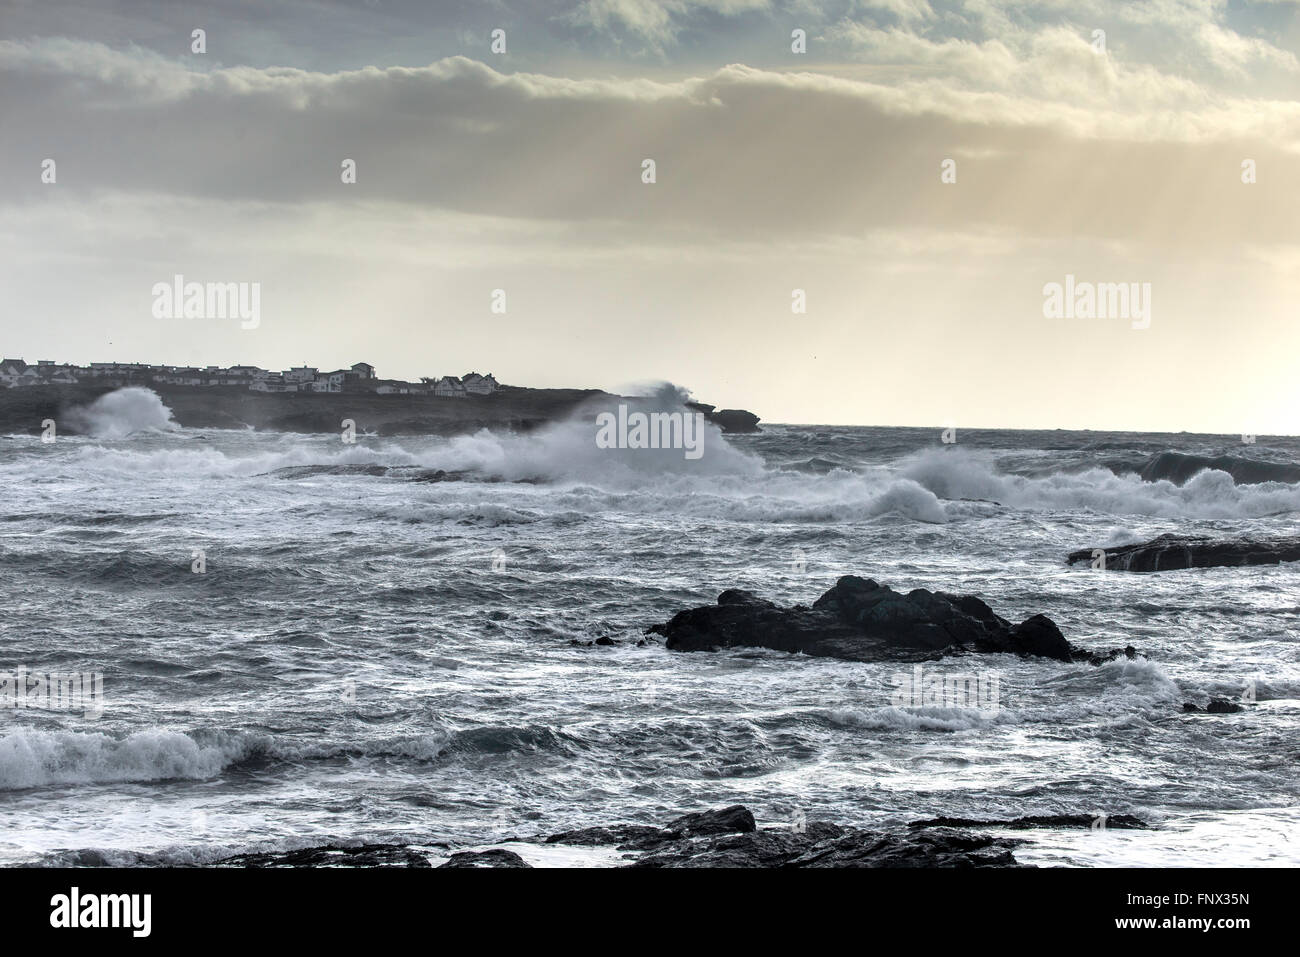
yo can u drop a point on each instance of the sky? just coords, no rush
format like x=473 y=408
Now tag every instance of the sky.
x=917 y=176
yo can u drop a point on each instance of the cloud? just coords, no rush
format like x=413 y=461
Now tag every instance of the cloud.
x=656 y=21
x=741 y=152
x=1233 y=54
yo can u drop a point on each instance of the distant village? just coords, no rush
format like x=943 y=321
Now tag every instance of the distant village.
x=361 y=377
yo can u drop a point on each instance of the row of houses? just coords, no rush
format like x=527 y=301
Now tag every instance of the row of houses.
x=360 y=377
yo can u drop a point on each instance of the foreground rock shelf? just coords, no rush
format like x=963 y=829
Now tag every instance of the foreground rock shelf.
x=860 y=620
x=725 y=837
x=1172 y=552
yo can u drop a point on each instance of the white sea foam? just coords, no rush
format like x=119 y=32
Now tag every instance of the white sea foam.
x=727 y=482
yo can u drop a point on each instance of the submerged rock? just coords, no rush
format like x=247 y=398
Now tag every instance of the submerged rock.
x=860 y=620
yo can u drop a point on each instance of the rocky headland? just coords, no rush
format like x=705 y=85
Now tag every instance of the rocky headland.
x=510 y=408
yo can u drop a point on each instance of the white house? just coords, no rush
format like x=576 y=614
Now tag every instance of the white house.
x=450 y=385
x=332 y=381
x=479 y=384
x=11 y=370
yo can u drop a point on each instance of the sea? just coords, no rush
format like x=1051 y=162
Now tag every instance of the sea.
x=289 y=640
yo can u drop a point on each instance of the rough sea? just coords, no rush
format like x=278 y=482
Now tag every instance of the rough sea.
x=303 y=641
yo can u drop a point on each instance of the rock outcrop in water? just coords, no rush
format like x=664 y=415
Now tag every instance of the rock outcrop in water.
x=1216 y=706
x=860 y=620
x=728 y=420
x=1170 y=552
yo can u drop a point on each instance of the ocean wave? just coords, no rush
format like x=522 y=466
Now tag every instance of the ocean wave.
x=728 y=483
x=32 y=758
x=1179 y=467
x=955 y=474
x=894 y=718
x=36 y=758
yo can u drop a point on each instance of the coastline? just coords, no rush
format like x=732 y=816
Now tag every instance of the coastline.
x=511 y=408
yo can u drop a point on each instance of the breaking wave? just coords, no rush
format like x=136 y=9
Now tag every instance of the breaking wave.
x=729 y=481
x=1209 y=494
x=31 y=758
x=1178 y=467
x=122 y=413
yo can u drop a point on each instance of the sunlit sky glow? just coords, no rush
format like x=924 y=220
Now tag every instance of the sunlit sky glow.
x=775 y=171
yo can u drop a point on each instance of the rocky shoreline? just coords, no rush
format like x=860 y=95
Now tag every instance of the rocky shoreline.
x=724 y=837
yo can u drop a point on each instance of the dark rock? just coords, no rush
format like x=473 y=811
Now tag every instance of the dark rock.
x=724 y=837
x=828 y=845
x=369 y=855
x=938 y=848
x=1216 y=706
x=1170 y=552
x=603 y=641
x=728 y=837
x=625 y=835
x=1222 y=706
x=860 y=620
x=1120 y=821
x=1039 y=636
x=736 y=819
x=496 y=857
x=768 y=848
x=729 y=420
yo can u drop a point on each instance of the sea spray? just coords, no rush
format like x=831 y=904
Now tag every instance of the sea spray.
x=122 y=413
